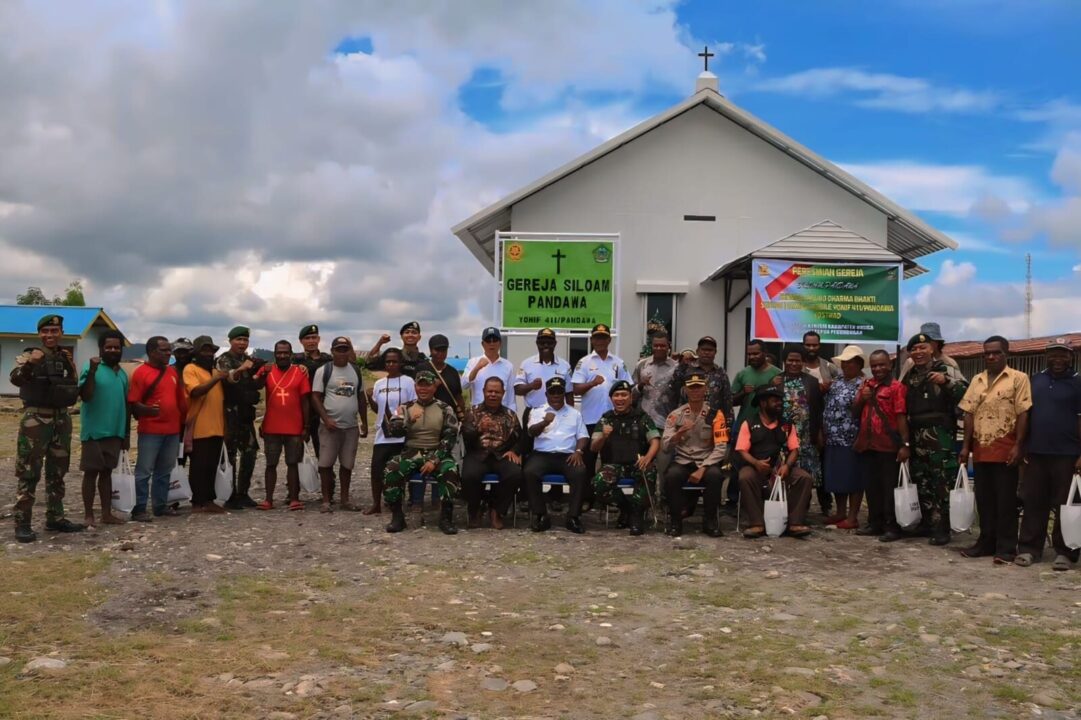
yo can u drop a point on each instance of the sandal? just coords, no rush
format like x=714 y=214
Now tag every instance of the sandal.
x=265 y=505
x=296 y=505
x=753 y=533
x=847 y=525
x=1024 y=559
x=1061 y=563
x=325 y=508
x=798 y=531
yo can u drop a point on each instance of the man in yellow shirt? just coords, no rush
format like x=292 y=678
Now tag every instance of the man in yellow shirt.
x=204 y=431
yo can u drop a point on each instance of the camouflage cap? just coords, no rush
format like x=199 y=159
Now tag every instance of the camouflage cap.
x=424 y=377
x=183 y=343
x=619 y=386
x=204 y=340
x=51 y=321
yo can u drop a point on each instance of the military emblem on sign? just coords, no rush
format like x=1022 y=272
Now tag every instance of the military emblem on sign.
x=602 y=254
x=763 y=271
x=515 y=252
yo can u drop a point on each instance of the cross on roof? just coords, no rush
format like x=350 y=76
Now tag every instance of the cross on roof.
x=706 y=55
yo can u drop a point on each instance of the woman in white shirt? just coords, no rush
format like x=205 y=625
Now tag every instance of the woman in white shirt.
x=384 y=397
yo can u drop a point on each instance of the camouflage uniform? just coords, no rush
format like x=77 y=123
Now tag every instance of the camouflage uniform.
x=630 y=438
x=408 y=463
x=241 y=397
x=932 y=417
x=44 y=432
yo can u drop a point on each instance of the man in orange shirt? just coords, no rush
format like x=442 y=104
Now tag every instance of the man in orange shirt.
x=204 y=431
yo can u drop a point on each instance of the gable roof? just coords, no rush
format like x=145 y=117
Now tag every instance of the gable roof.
x=22 y=320
x=824 y=241
x=963 y=349
x=907 y=235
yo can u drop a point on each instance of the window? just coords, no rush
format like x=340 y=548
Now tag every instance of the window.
x=660 y=312
x=579 y=348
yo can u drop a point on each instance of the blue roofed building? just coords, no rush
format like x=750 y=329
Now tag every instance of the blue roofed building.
x=19 y=330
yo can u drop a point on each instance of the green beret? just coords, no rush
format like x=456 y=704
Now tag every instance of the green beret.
x=50 y=320
x=617 y=386
x=918 y=339
x=239 y=331
x=308 y=330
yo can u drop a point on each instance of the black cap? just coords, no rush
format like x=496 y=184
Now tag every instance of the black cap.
x=768 y=391
x=617 y=386
x=601 y=329
x=546 y=333
x=411 y=325
x=707 y=340
x=695 y=377
x=50 y=321
x=308 y=330
x=341 y=341
x=919 y=339
x=555 y=386
x=438 y=342
x=490 y=333
x=183 y=343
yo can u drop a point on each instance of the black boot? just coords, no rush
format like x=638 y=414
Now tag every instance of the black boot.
x=446 y=518
x=397 y=518
x=711 y=527
x=638 y=524
x=941 y=534
x=624 y=519
x=24 y=534
x=64 y=525
x=541 y=522
x=575 y=525
x=675 y=526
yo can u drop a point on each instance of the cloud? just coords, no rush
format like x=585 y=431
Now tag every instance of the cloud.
x=1057 y=219
x=883 y=91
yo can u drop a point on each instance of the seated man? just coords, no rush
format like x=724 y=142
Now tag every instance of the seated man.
x=698 y=438
x=492 y=435
x=430 y=429
x=770 y=449
x=559 y=440
x=627 y=441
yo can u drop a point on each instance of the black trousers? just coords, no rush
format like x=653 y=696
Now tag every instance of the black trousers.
x=677 y=476
x=880 y=471
x=381 y=453
x=475 y=467
x=540 y=464
x=996 y=503
x=205 y=454
x=1047 y=480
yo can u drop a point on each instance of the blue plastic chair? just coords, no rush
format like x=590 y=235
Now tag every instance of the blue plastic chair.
x=491 y=479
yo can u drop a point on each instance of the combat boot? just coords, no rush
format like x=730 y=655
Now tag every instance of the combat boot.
x=941 y=534
x=675 y=526
x=624 y=520
x=397 y=518
x=638 y=521
x=541 y=522
x=64 y=525
x=711 y=527
x=446 y=518
x=24 y=534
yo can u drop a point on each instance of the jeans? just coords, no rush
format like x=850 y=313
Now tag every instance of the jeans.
x=153 y=465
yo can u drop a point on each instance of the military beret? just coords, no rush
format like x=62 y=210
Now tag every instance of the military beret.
x=411 y=325
x=308 y=330
x=918 y=339
x=618 y=386
x=424 y=376
x=695 y=377
x=239 y=331
x=50 y=320
x=768 y=391
x=555 y=386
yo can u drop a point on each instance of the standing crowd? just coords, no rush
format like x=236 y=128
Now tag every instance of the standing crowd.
x=668 y=433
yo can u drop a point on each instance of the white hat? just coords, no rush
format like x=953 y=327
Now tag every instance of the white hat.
x=850 y=352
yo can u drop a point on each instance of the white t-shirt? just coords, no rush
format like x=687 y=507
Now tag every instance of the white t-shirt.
x=563 y=434
x=595 y=402
x=502 y=368
x=340 y=393
x=532 y=368
x=388 y=394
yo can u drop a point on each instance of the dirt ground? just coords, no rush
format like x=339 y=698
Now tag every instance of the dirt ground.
x=302 y=615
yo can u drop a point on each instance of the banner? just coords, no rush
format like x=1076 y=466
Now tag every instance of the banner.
x=560 y=284
x=842 y=303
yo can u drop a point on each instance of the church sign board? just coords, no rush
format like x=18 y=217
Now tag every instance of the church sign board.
x=843 y=303
x=566 y=282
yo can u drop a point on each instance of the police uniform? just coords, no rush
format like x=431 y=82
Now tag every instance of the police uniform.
x=633 y=432
x=932 y=421
x=312 y=363
x=241 y=397
x=47 y=389
x=430 y=437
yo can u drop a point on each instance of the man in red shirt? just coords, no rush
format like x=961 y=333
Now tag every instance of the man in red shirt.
x=157 y=399
x=285 y=423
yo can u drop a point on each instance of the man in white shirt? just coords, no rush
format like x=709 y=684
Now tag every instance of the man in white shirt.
x=490 y=364
x=536 y=370
x=559 y=441
x=592 y=378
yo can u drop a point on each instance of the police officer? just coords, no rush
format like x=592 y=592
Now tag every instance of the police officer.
x=312 y=359
x=48 y=386
x=627 y=440
x=241 y=396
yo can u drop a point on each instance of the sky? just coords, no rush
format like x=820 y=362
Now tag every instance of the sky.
x=204 y=164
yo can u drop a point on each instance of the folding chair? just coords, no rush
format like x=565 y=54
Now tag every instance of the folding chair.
x=492 y=479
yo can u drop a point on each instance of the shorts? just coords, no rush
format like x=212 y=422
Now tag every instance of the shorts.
x=100 y=455
x=273 y=445
x=338 y=445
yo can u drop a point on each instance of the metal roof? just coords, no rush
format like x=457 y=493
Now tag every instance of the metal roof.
x=907 y=235
x=22 y=320
x=963 y=349
x=824 y=241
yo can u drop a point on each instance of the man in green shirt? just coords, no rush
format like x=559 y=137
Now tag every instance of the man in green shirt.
x=758 y=374
x=103 y=388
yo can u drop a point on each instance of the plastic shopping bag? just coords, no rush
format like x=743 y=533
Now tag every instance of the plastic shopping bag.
x=776 y=509
x=1069 y=515
x=179 y=486
x=962 y=502
x=906 y=501
x=123 y=486
x=223 y=479
x=309 y=471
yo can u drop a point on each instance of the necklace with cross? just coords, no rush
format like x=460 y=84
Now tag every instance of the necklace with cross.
x=706 y=55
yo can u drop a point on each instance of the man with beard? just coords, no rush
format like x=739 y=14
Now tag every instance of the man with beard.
x=312 y=358
x=627 y=441
x=932 y=395
x=817 y=367
x=559 y=439
x=104 y=430
x=718 y=387
x=156 y=397
x=204 y=430
x=241 y=396
x=412 y=357
x=758 y=374
x=48 y=386
x=770 y=449
x=492 y=435
x=430 y=429
x=285 y=423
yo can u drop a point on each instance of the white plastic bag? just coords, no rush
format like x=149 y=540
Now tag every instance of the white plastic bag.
x=962 y=502
x=123 y=486
x=906 y=501
x=1069 y=515
x=179 y=486
x=776 y=509
x=223 y=479
x=309 y=470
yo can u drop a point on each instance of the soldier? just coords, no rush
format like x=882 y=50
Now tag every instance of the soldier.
x=412 y=357
x=312 y=359
x=241 y=396
x=628 y=441
x=48 y=386
x=430 y=429
x=592 y=377
x=932 y=395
